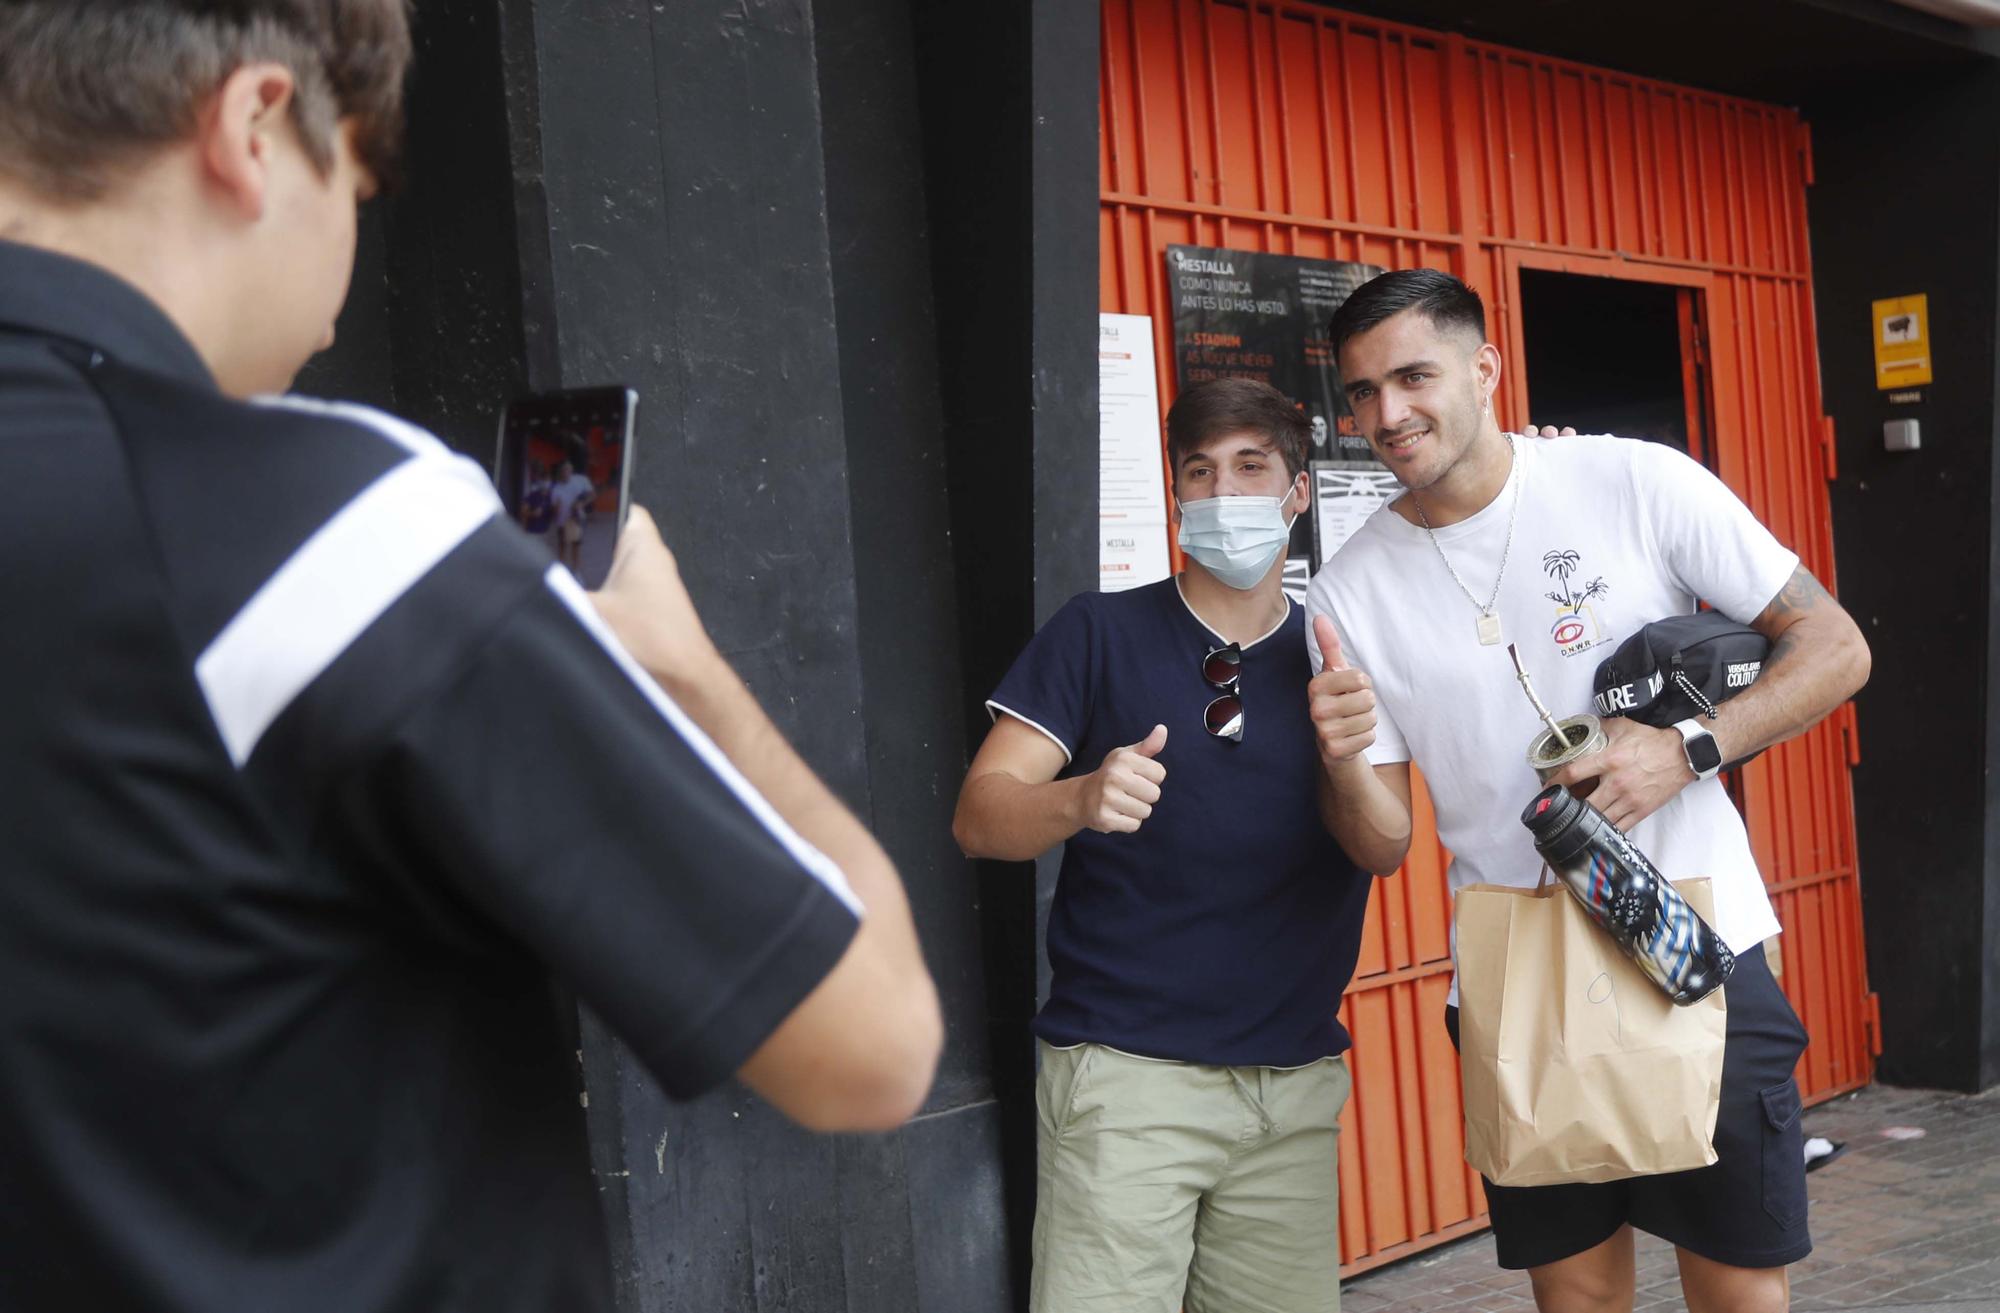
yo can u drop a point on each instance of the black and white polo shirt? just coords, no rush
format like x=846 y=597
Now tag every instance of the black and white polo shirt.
x=313 y=774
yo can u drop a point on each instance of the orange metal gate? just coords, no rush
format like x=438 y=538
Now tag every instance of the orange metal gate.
x=1290 y=128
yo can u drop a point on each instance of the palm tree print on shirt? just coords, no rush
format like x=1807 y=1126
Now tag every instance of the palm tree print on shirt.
x=1559 y=566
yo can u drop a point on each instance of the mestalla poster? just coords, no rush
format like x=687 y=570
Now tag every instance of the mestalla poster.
x=1245 y=314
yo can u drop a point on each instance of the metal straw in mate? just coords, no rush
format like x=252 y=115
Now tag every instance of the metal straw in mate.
x=1528 y=687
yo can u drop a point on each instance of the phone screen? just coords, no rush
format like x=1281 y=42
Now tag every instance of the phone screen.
x=564 y=471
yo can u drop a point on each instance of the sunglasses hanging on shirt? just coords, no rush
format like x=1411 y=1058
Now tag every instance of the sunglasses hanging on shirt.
x=1223 y=669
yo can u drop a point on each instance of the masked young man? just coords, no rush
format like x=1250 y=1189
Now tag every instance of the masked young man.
x=1204 y=923
x=287 y=877
x=1565 y=548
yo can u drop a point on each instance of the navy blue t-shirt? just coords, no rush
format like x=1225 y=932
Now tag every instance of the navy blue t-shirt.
x=1225 y=929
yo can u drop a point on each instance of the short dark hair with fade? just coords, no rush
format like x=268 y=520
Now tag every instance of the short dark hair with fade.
x=90 y=87
x=1444 y=300
x=1218 y=407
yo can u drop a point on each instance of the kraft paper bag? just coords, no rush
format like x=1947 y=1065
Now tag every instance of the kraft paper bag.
x=1576 y=1068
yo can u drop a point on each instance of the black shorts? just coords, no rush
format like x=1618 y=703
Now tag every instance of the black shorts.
x=1747 y=1209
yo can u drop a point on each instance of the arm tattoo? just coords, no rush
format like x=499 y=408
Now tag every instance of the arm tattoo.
x=1787 y=642
x=1801 y=597
x=1800 y=594
x=1817 y=660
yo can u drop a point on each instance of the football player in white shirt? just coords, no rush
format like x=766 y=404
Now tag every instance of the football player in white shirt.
x=1565 y=548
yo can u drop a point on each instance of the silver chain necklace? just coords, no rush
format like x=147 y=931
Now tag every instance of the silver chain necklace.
x=1488 y=625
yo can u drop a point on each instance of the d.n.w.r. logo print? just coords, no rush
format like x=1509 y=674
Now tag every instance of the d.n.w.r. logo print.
x=1575 y=628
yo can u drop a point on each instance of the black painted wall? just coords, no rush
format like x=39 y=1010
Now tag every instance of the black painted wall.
x=1009 y=95
x=776 y=327
x=358 y=366
x=858 y=303
x=1908 y=200
x=972 y=81
x=433 y=326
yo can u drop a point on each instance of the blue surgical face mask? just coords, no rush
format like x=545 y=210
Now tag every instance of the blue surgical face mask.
x=1236 y=538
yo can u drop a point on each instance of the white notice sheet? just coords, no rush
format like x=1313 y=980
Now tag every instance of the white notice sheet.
x=1345 y=493
x=1131 y=488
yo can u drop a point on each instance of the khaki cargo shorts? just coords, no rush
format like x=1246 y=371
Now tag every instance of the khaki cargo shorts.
x=1164 y=1185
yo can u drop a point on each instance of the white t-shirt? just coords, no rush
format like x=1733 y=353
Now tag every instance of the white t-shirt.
x=1612 y=534
x=567 y=494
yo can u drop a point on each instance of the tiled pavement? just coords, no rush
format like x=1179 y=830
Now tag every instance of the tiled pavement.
x=1898 y=1223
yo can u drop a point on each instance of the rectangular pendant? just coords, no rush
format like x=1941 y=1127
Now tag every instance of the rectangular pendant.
x=1489 y=628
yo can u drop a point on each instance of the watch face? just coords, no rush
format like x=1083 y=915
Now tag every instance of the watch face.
x=1703 y=755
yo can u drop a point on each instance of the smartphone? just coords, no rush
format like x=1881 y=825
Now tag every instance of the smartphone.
x=563 y=466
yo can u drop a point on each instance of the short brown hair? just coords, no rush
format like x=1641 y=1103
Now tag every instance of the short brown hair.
x=89 y=86
x=1218 y=407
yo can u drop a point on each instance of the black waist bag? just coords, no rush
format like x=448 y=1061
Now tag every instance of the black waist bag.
x=1680 y=668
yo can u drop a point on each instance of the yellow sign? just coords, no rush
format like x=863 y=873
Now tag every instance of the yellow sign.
x=1902 y=342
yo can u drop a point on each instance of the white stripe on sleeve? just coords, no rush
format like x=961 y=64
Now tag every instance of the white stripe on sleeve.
x=337 y=584
x=812 y=859
x=418 y=441
x=995 y=709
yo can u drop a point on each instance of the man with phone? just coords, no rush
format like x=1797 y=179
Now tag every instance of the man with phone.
x=288 y=877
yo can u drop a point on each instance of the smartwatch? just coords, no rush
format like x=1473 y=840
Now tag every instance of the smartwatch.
x=1704 y=758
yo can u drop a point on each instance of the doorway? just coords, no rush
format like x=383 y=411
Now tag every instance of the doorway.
x=1611 y=355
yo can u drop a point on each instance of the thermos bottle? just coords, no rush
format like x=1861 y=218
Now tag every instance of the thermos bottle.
x=1628 y=897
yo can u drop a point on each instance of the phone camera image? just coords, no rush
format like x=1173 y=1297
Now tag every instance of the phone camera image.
x=563 y=470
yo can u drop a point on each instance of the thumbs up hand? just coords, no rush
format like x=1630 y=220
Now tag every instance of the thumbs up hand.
x=1341 y=701
x=1118 y=796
